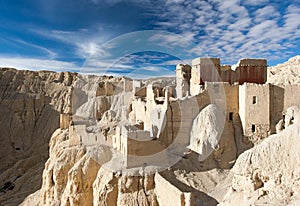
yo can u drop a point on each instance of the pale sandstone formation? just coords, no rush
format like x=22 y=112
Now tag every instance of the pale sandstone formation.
x=30 y=104
x=206 y=131
x=79 y=189
x=82 y=181
x=269 y=172
x=285 y=73
x=112 y=189
x=74 y=176
x=290 y=115
x=117 y=112
x=211 y=137
x=192 y=182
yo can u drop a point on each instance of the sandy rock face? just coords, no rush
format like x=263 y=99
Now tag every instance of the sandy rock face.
x=80 y=175
x=213 y=138
x=30 y=103
x=206 y=131
x=123 y=190
x=269 y=172
x=74 y=176
x=286 y=73
x=55 y=175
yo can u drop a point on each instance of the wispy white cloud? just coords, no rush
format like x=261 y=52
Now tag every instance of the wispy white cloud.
x=256 y=2
x=18 y=43
x=47 y=51
x=85 y=42
x=230 y=29
x=266 y=13
x=292 y=18
x=173 y=40
x=36 y=64
x=233 y=29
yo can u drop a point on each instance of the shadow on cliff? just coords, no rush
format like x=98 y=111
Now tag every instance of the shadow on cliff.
x=200 y=197
x=27 y=123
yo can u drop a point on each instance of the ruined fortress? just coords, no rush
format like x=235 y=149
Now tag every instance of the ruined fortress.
x=157 y=119
x=155 y=113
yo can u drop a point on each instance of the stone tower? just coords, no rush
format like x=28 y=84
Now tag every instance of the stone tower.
x=204 y=70
x=252 y=71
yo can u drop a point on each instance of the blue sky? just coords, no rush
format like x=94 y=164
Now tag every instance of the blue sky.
x=144 y=37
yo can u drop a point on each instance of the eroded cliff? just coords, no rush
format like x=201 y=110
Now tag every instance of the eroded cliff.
x=30 y=104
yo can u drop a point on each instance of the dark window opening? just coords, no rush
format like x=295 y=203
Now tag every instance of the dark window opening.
x=254 y=100
x=18 y=148
x=230 y=116
x=253 y=128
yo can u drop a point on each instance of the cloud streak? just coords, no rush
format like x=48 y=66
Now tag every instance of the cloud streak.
x=36 y=64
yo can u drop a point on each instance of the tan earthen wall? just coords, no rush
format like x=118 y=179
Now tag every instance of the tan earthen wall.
x=254 y=110
x=168 y=194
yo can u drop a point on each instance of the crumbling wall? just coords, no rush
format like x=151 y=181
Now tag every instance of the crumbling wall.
x=227 y=74
x=127 y=84
x=209 y=70
x=79 y=134
x=139 y=111
x=252 y=71
x=138 y=146
x=205 y=69
x=173 y=196
x=105 y=89
x=224 y=94
x=152 y=111
x=276 y=106
x=183 y=77
x=180 y=115
x=116 y=142
x=140 y=92
x=291 y=96
x=138 y=141
x=254 y=110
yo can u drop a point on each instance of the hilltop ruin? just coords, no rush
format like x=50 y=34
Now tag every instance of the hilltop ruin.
x=157 y=121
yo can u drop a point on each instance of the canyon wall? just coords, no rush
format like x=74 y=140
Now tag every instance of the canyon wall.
x=30 y=104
